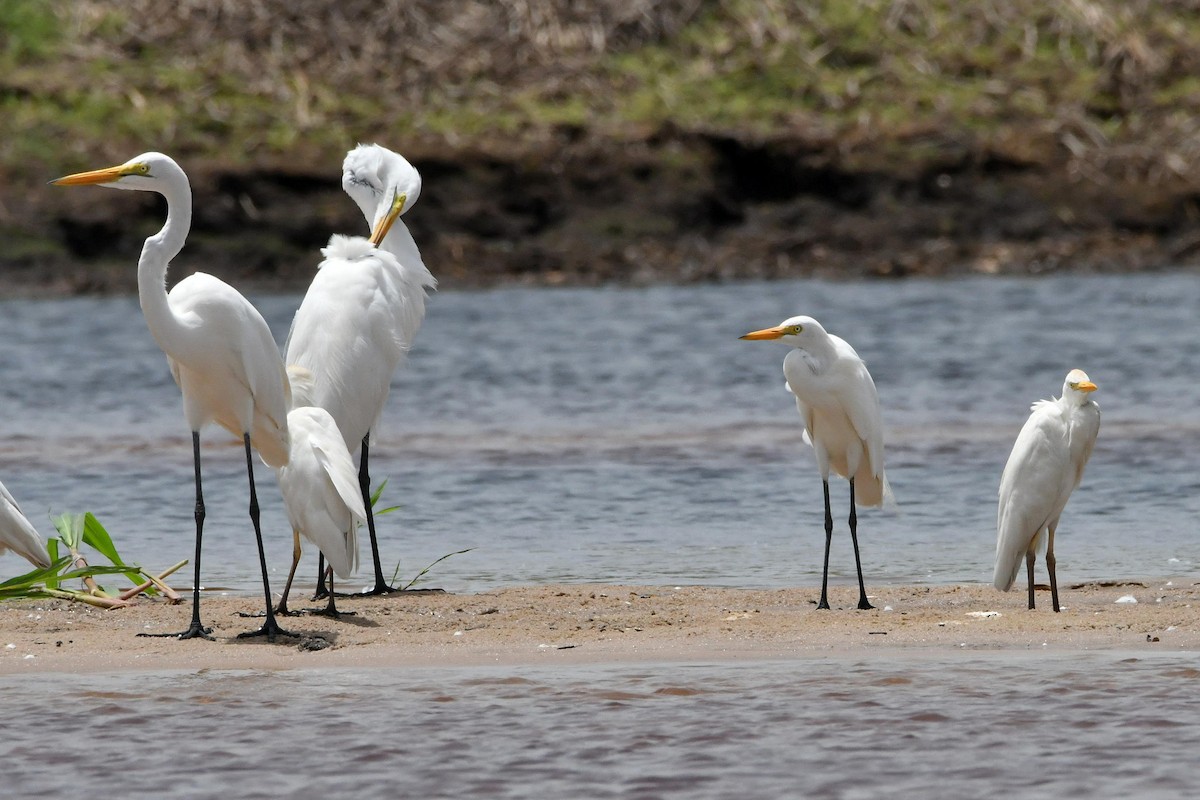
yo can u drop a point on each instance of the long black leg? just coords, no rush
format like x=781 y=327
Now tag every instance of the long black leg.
x=1050 y=562
x=330 y=609
x=828 y=540
x=863 y=603
x=1029 y=574
x=364 y=483
x=321 y=591
x=270 y=628
x=196 y=629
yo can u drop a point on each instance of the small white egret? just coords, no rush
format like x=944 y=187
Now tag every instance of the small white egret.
x=1045 y=466
x=218 y=346
x=360 y=315
x=842 y=421
x=18 y=534
x=320 y=487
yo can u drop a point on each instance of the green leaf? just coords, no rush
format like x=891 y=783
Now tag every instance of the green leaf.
x=376 y=494
x=70 y=529
x=96 y=535
x=422 y=573
x=52 y=549
x=38 y=575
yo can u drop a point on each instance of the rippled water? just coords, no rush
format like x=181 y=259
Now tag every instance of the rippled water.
x=628 y=435
x=1031 y=725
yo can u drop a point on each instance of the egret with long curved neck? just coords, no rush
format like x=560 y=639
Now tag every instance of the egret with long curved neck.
x=219 y=348
x=360 y=316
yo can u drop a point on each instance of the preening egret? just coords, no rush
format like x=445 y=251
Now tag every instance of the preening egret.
x=18 y=534
x=219 y=348
x=842 y=421
x=320 y=487
x=1045 y=466
x=362 y=311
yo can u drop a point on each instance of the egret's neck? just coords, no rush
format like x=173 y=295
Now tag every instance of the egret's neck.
x=157 y=253
x=400 y=243
x=818 y=354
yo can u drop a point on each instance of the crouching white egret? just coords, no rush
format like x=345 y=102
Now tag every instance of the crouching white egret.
x=839 y=406
x=219 y=348
x=18 y=534
x=1045 y=466
x=320 y=487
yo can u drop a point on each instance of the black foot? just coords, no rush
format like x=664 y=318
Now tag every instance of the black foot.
x=282 y=610
x=321 y=593
x=863 y=604
x=194 y=631
x=270 y=630
x=332 y=613
x=824 y=604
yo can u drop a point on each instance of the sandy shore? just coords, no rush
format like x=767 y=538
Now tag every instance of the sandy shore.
x=593 y=623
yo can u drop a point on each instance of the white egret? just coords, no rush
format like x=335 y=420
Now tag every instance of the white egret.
x=18 y=534
x=842 y=421
x=219 y=348
x=319 y=485
x=359 y=317
x=1045 y=466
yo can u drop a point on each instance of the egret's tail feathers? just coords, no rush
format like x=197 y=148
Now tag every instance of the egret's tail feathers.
x=31 y=548
x=346 y=563
x=872 y=490
x=271 y=441
x=345 y=560
x=1010 y=554
x=1006 y=574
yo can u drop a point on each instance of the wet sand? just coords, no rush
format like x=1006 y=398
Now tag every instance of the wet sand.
x=572 y=624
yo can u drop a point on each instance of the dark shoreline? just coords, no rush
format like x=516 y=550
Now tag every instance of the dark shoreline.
x=673 y=207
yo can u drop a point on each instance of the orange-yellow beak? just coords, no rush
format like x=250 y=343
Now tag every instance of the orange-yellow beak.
x=765 y=333
x=106 y=175
x=1086 y=386
x=389 y=219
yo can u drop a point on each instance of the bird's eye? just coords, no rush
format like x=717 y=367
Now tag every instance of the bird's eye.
x=357 y=181
x=143 y=169
x=797 y=328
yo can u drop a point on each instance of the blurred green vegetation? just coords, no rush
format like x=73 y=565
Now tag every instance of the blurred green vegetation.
x=239 y=82
x=722 y=138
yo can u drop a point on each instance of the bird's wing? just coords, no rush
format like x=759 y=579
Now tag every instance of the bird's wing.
x=347 y=334
x=1085 y=426
x=235 y=342
x=319 y=490
x=17 y=533
x=861 y=403
x=1031 y=488
x=331 y=454
x=805 y=415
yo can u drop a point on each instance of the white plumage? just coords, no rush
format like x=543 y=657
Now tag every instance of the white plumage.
x=843 y=423
x=320 y=481
x=18 y=534
x=362 y=311
x=353 y=330
x=1045 y=467
x=219 y=347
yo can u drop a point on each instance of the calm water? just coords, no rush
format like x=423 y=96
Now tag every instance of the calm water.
x=1034 y=725
x=627 y=435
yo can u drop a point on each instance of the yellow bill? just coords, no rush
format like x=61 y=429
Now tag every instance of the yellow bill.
x=766 y=333
x=389 y=219
x=106 y=175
